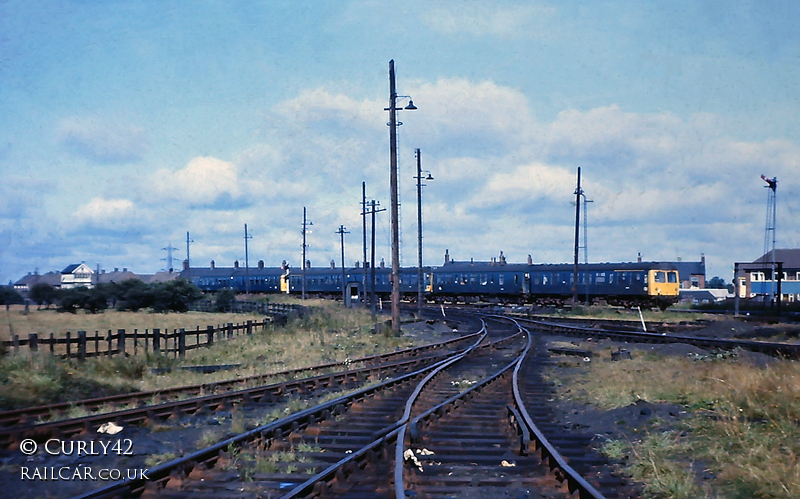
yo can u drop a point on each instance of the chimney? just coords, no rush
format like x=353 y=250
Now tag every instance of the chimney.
x=530 y=260
x=383 y=264
x=116 y=269
x=358 y=265
x=703 y=259
x=308 y=264
x=333 y=263
x=446 y=255
x=212 y=264
x=639 y=258
x=186 y=265
x=284 y=265
x=261 y=264
x=124 y=269
x=236 y=264
x=502 y=259
x=492 y=261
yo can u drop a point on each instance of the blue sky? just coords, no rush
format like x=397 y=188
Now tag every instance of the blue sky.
x=125 y=124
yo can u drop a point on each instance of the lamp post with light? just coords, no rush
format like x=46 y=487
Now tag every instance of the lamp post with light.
x=394 y=196
x=420 y=185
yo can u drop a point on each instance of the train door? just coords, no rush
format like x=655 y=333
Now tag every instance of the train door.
x=285 y=283
x=526 y=284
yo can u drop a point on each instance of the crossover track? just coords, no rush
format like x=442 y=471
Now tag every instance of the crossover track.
x=459 y=426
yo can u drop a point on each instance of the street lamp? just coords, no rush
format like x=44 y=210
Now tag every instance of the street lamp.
x=393 y=187
x=420 y=185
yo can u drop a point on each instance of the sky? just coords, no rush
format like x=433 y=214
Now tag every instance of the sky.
x=126 y=124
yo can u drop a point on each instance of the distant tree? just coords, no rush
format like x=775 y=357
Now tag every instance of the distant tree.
x=72 y=299
x=133 y=294
x=43 y=294
x=9 y=296
x=718 y=283
x=175 y=295
x=224 y=300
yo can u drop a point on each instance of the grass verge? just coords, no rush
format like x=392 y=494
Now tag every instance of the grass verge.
x=329 y=333
x=741 y=439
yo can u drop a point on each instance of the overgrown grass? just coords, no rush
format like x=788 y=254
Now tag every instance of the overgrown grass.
x=49 y=321
x=330 y=333
x=743 y=424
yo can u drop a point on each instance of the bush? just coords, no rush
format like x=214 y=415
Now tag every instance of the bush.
x=224 y=300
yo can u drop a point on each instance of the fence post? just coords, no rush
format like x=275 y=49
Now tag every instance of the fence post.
x=121 y=341
x=249 y=327
x=108 y=343
x=15 y=343
x=33 y=342
x=52 y=344
x=135 y=341
x=156 y=340
x=81 y=346
x=69 y=340
x=230 y=330
x=182 y=343
x=210 y=334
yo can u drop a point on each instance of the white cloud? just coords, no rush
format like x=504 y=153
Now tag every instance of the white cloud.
x=204 y=182
x=100 y=212
x=473 y=118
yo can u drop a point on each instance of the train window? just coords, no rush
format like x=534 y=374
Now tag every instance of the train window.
x=611 y=277
x=491 y=279
x=501 y=279
x=673 y=277
x=472 y=279
x=484 y=280
x=660 y=277
x=544 y=280
x=516 y=278
x=600 y=278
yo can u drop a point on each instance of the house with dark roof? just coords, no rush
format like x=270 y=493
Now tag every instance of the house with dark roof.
x=77 y=275
x=760 y=279
x=25 y=284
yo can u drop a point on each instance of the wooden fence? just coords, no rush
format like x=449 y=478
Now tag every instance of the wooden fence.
x=176 y=343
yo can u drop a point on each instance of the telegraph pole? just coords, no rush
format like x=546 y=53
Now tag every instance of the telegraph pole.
x=246 y=263
x=373 y=302
x=394 y=199
x=364 y=231
x=188 y=261
x=306 y=224
x=420 y=281
x=342 y=232
x=578 y=193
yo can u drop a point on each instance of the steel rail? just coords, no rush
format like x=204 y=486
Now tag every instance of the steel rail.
x=413 y=424
x=273 y=430
x=547 y=451
x=11 y=436
x=395 y=431
x=26 y=414
x=786 y=350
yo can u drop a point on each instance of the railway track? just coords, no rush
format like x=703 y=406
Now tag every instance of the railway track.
x=467 y=409
x=786 y=350
x=155 y=406
x=451 y=421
